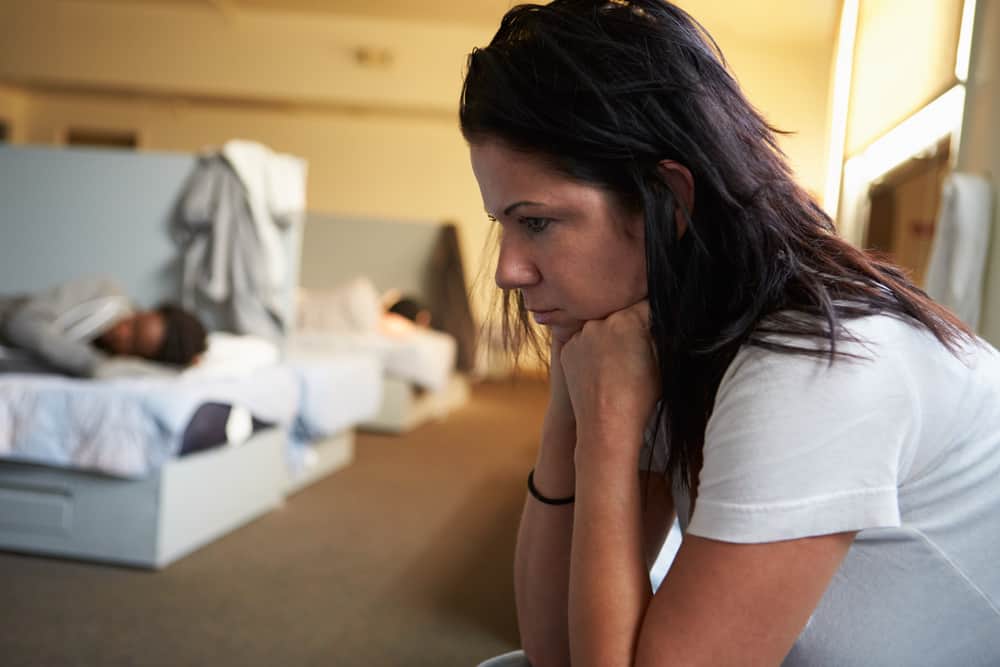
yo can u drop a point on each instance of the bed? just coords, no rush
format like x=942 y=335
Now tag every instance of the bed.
x=426 y=372
x=99 y=469
x=110 y=212
x=318 y=401
x=419 y=382
x=339 y=392
x=148 y=522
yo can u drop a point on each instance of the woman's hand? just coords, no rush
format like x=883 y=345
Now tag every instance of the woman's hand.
x=612 y=378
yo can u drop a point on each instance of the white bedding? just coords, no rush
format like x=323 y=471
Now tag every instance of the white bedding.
x=422 y=356
x=333 y=392
x=129 y=427
x=336 y=393
x=126 y=428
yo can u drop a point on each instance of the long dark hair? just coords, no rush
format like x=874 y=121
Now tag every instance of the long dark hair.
x=605 y=91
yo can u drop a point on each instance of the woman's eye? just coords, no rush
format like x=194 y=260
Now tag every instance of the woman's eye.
x=535 y=225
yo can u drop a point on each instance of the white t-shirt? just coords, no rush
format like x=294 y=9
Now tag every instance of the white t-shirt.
x=903 y=446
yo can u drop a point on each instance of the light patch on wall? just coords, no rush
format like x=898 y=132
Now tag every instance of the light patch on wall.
x=904 y=57
x=840 y=104
x=918 y=133
x=965 y=41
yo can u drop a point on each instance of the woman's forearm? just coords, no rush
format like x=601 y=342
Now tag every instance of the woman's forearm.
x=541 y=563
x=609 y=583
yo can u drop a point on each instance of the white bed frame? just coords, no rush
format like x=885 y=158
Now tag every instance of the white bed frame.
x=404 y=407
x=144 y=523
x=150 y=523
x=329 y=455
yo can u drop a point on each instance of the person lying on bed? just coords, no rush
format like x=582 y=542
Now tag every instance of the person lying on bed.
x=78 y=326
x=403 y=313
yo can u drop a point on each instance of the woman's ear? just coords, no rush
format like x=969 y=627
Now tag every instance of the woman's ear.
x=678 y=178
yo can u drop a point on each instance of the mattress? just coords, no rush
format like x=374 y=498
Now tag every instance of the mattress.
x=404 y=407
x=422 y=356
x=129 y=427
x=337 y=393
x=101 y=426
x=331 y=392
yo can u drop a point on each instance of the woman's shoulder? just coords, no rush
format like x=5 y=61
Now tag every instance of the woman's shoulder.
x=881 y=359
x=872 y=355
x=874 y=337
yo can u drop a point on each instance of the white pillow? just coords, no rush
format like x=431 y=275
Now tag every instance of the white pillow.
x=350 y=308
x=229 y=355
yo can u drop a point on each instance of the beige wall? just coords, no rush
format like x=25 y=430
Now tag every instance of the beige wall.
x=371 y=164
x=13 y=107
x=980 y=148
x=195 y=49
x=787 y=76
x=790 y=84
x=381 y=141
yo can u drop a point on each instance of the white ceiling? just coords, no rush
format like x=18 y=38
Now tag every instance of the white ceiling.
x=793 y=21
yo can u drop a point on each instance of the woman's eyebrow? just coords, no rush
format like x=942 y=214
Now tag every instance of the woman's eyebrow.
x=510 y=209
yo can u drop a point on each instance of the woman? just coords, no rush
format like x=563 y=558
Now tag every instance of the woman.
x=828 y=437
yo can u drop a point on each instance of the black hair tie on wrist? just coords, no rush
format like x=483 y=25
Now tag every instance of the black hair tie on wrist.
x=543 y=499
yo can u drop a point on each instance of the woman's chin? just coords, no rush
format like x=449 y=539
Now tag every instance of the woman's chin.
x=563 y=332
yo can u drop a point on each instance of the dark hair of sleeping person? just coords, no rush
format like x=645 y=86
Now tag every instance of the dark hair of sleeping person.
x=168 y=334
x=604 y=91
x=411 y=309
x=184 y=336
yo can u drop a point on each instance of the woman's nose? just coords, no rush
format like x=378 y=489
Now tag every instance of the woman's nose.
x=515 y=268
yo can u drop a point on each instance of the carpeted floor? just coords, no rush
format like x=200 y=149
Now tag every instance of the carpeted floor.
x=404 y=558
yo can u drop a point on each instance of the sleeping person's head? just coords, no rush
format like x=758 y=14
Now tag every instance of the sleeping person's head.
x=412 y=310
x=169 y=335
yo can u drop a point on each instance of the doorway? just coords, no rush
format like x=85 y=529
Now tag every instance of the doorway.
x=904 y=208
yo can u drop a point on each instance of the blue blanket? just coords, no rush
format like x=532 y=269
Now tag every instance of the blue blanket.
x=127 y=427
